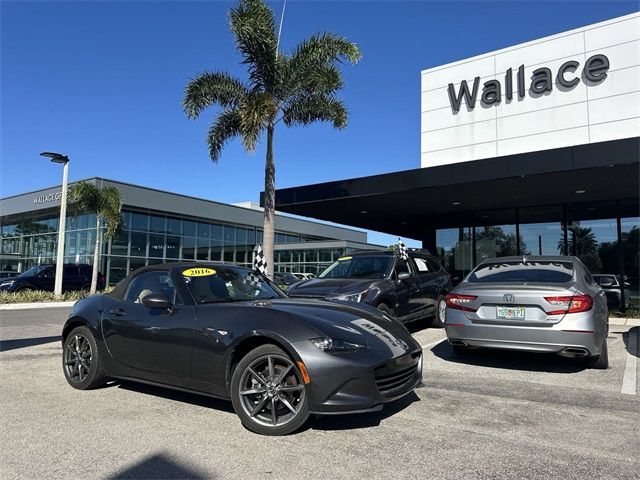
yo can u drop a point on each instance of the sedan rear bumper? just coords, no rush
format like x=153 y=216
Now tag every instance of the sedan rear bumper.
x=565 y=337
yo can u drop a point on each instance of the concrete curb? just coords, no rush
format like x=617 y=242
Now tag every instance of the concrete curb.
x=35 y=305
x=624 y=321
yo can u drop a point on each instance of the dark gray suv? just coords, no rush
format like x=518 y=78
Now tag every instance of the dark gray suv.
x=406 y=289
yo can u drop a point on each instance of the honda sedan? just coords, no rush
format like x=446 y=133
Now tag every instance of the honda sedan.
x=539 y=304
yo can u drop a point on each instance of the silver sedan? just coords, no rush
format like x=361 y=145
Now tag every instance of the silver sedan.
x=540 y=304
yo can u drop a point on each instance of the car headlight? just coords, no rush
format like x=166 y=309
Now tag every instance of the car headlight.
x=352 y=297
x=327 y=344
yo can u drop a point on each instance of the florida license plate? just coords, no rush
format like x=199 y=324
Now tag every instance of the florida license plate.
x=510 y=313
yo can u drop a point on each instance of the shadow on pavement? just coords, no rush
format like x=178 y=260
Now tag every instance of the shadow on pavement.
x=6 y=345
x=361 y=420
x=176 y=395
x=512 y=360
x=159 y=466
x=630 y=338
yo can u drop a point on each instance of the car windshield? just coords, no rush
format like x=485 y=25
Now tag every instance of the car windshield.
x=286 y=277
x=374 y=266
x=228 y=284
x=606 y=280
x=33 y=271
x=523 y=272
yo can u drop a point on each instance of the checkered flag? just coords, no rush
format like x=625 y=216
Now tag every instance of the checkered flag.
x=402 y=250
x=252 y=279
x=259 y=261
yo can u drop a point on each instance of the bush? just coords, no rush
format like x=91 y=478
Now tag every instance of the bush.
x=32 y=296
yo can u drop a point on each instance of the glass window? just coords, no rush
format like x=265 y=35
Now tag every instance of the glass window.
x=136 y=262
x=138 y=244
x=541 y=239
x=188 y=248
x=126 y=220
x=374 y=266
x=82 y=221
x=189 y=228
x=117 y=269
x=631 y=251
x=204 y=230
x=421 y=265
x=595 y=243
x=229 y=235
x=521 y=272
x=454 y=248
x=203 y=249
x=495 y=241
x=151 y=283
x=216 y=251
x=228 y=254
x=241 y=236
x=156 y=245
x=158 y=224
x=120 y=243
x=174 y=225
x=173 y=247
x=401 y=267
x=216 y=232
x=140 y=221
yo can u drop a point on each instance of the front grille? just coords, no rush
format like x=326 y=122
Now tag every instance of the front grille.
x=400 y=372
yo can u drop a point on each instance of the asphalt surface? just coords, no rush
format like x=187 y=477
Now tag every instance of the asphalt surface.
x=487 y=415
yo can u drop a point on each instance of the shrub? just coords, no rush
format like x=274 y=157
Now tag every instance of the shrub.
x=33 y=296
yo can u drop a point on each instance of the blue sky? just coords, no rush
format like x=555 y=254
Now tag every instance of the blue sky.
x=103 y=81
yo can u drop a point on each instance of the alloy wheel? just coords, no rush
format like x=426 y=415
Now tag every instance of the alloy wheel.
x=271 y=391
x=442 y=311
x=77 y=358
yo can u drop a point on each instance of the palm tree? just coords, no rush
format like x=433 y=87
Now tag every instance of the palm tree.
x=106 y=204
x=296 y=88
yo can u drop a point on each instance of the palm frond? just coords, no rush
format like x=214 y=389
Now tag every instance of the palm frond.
x=223 y=129
x=211 y=88
x=85 y=197
x=325 y=48
x=111 y=211
x=256 y=38
x=257 y=110
x=306 y=109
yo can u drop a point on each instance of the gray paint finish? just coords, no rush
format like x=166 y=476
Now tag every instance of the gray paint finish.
x=150 y=199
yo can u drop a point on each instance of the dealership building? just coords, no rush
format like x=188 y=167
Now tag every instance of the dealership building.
x=529 y=150
x=161 y=226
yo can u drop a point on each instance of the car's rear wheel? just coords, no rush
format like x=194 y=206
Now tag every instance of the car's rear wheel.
x=80 y=360
x=441 y=312
x=268 y=393
x=601 y=362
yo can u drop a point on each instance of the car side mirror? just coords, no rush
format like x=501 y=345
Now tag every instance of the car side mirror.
x=606 y=283
x=404 y=276
x=156 y=300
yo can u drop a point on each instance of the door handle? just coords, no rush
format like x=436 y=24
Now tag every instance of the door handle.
x=214 y=332
x=118 y=312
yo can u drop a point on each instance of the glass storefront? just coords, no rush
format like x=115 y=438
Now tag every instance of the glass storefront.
x=145 y=239
x=588 y=231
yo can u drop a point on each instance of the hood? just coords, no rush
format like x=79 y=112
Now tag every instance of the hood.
x=356 y=323
x=330 y=287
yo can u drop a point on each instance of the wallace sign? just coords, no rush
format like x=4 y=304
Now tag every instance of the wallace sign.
x=594 y=72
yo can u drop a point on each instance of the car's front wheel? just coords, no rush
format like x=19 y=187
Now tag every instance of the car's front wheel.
x=81 y=362
x=268 y=393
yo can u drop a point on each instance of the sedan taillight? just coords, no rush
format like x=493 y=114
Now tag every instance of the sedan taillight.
x=574 y=304
x=460 y=302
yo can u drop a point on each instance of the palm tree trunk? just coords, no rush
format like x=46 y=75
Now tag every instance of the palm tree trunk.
x=96 y=259
x=269 y=202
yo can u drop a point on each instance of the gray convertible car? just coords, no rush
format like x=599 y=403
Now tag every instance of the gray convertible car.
x=227 y=332
x=541 y=304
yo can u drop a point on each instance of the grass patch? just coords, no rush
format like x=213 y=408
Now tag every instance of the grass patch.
x=629 y=313
x=37 y=296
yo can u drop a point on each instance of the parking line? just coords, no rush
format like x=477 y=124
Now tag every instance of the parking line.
x=432 y=344
x=629 y=378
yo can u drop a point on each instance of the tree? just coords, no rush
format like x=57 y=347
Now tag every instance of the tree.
x=106 y=204
x=296 y=88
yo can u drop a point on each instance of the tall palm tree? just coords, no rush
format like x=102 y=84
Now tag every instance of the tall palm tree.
x=106 y=204
x=296 y=88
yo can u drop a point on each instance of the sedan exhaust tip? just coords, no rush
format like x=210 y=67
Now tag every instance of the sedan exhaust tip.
x=458 y=343
x=574 y=352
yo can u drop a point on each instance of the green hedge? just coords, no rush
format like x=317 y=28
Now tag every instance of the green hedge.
x=31 y=296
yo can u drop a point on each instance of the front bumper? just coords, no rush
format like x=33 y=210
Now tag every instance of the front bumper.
x=357 y=382
x=579 y=331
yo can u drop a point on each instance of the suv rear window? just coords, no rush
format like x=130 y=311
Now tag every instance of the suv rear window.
x=523 y=272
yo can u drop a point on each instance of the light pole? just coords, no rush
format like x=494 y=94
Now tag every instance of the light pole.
x=64 y=160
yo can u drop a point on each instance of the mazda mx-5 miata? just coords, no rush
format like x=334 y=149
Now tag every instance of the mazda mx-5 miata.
x=225 y=331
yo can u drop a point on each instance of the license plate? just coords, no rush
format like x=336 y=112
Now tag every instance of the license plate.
x=510 y=313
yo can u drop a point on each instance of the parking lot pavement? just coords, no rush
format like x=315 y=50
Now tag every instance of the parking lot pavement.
x=484 y=415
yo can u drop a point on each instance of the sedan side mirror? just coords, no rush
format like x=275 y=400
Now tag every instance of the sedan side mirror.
x=156 y=300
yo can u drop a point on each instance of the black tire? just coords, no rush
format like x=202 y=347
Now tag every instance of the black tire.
x=384 y=308
x=438 y=319
x=81 y=362
x=600 y=362
x=459 y=350
x=270 y=392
